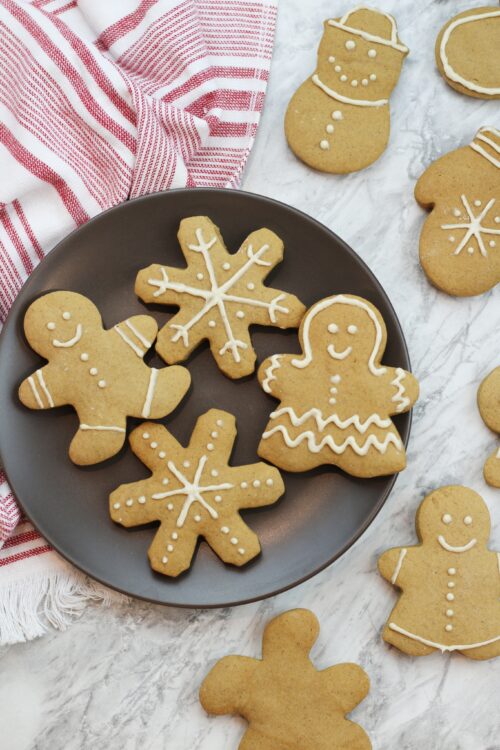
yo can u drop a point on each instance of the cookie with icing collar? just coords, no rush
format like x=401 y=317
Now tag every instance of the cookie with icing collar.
x=100 y=372
x=468 y=52
x=460 y=240
x=336 y=398
x=450 y=582
x=488 y=399
x=338 y=121
x=288 y=702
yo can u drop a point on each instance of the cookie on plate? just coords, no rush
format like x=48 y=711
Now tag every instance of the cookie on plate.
x=450 y=582
x=219 y=295
x=468 y=52
x=488 y=399
x=287 y=702
x=336 y=399
x=193 y=493
x=100 y=373
x=339 y=119
x=460 y=240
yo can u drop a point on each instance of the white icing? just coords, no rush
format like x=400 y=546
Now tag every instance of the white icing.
x=51 y=326
x=116 y=506
x=447 y=518
x=146 y=409
x=269 y=372
x=234 y=540
x=372 y=53
x=452 y=571
x=337 y=115
x=331 y=59
x=352 y=329
x=402 y=401
x=321 y=423
x=84 y=357
x=343 y=77
x=329 y=128
x=324 y=145
x=468 y=520
x=102 y=384
x=495 y=146
x=44 y=388
x=464 y=548
x=241 y=551
x=102 y=427
x=373 y=77
x=66 y=315
x=219 y=423
x=269 y=482
x=140 y=352
x=338 y=355
x=338 y=68
x=93 y=371
x=450 y=72
x=72 y=341
x=345 y=99
x=186 y=464
x=154 y=445
x=350 y=44
x=365 y=82
x=314 y=447
x=442 y=647
x=354 y=82
x=392 y=42
x=399 y=563
x=35 y=392
x=473 y=227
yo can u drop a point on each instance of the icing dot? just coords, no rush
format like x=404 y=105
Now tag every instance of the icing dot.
x=214 y=473
x=199 y=276
x=477 y=203
x=256 y=482
x=354 y=83
x=335 y=378
x=102 y=384
x=224 y=529
x=129 y=502
x=234 y=540
x=211 y=323
x=452 y=571
x=333 y=389
x=350 y=44
x=226 y=266
x=331 y=59
x=141 y=499
x=447 y=518
x=497 y=219
x=250 y=285
x=241 y=551
x=372 y=53
x=343 y=77
x=164 y=560
x=162 y=454
x=492 y=243
x=352 y=329
x=116 y=506
x=329 y=128
x=197 y=518
x=174 y=535
x=93 y=370
x=219 y=423
x=66 y=315
x=84 y=357
x=210 y=446
x=154 y=444
x=337 y=115
x=449 y=613
x=365 y=81
x=451 y=585
x=170 y=547
x=240 y=314
x=373 y=77
x=324 y=145
x=332 y=401
x=244 y=485
x=468 y=520
x=450 y=597
x=269 y=482
x=456 y=212
x=164 y=480
x=448 y=627
x=470 y=250
x=51 y=326
x=338 y=68
x=333 y=328
x=451 y=238
x=186 y=464
x=145 y=435
x=217 y=498
x=170 y=506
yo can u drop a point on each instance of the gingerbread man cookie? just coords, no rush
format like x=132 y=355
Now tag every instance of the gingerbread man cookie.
x=336 y=400
x=287 y=702
x=193 y=492
x=339 y=119
x=468 y=52
x=100 y=373
x=219 y=295
x=460 y=240
x=488 y=399
x=450 y=583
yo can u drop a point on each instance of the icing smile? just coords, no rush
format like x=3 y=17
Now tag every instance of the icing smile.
x=444 y=544
x=338 y=355
x=72 y=341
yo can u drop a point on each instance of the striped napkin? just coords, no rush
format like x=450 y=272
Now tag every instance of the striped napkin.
x=102 y=100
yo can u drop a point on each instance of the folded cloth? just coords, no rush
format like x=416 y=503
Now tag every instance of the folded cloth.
x=99 y=102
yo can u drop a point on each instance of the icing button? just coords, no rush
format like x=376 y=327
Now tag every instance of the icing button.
x=450 y=597
x=324 y=145
x=448 y=627
x=452 y=571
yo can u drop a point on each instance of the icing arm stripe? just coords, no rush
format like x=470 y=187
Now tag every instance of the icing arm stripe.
x=71 y=342
x=146 y=410
x=314 y=447
x=441 y=646
x=370 y=37
x=102 y=427
x=44 y=388
x=35 y=392
x=345 y=99
x=268 y=372
x=397 y=569
x=321 y=423
x=138 y=334
x=398 y=398
x=140 y=353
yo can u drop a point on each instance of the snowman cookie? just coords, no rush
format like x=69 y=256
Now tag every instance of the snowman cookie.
x=339 y=119
x=287 y=701
x=450 y=582
x=219 y=295
x=460 y=240
x=336 y=399
x=488 y=399
x=100 y=373
x=468 y=52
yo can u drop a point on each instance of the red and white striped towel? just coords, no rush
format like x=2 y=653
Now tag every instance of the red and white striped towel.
x=102 y=100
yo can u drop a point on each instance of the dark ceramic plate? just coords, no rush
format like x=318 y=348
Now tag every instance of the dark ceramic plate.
x=322 y=513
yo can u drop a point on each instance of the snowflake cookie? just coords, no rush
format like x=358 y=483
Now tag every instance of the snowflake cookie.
x=219 y=295
x=460 y=240
x=336 y=398
x=450 y=582
x=339 y=119
x=287 y=702
x=100 y=373
x=193 y=492
x=488 y=399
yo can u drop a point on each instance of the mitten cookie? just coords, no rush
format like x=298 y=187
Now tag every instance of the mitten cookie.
x=287 y=702
x=460 y=240
x=220 y=295
x=468 y=52
x=100 y=373
x=488 y=399
x=193 y=492
x=450 y=583
x=339 y=119
x=336 y=399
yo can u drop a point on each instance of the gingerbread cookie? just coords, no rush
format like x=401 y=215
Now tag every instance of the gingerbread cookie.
x=193 y=492
x=488 y=399
x=339 y=119
x=287 y=702
x=468 y=52
x=100 y=373
x=336 y=399
x=219 y=295
x=450 y=583
x=460 y=240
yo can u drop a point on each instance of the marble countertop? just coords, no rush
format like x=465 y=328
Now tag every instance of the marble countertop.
x=127 y=677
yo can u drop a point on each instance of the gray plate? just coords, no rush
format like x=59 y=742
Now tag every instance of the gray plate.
x=322 y=513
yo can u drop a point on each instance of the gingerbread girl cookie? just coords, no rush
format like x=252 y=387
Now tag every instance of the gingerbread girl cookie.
x=460 y=240
x=468 y=52
x=101 y=373
x=339 y=119
x=287 y=702
x=193 y=492
x=219 y=295
x=336 y=398
x=488 y=399
x=450 y=583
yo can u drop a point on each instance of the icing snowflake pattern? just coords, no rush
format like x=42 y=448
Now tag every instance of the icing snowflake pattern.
x=474 y=229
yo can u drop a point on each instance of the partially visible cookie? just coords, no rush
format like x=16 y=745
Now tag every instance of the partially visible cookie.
x=193 y=492
x=488 y=399
x=468 y=52
x=220 y=295
x=287 y=702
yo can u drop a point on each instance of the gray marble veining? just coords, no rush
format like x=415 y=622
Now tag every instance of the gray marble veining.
x=128 y=677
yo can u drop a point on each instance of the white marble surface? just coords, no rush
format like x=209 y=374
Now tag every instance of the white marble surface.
x=128 y=677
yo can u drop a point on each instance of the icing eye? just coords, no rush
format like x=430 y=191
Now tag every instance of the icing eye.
x=468 y=520
x=447 y=518
x=66 y=315
x=333 y=328
x=51 y=326
x=352 y=329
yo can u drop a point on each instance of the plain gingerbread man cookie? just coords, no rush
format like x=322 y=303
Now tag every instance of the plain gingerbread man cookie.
x=336 y=399
x=488 y=399
x=100 y=373
x=460 y=240
x=339 y=119
x=450 y=582
x=287 y=702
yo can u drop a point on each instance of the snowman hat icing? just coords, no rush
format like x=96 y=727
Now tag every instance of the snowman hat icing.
x=391 y=41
